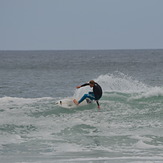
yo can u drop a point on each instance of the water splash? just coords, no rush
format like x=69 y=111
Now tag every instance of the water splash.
x=119 y=82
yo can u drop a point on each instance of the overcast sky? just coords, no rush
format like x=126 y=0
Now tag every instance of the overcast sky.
x=81 y=24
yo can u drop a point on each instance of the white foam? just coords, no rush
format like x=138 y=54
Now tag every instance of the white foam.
x=153 y=92
x=21 y=101
x=120 y=82
x=142 y=145
x=147 y=139
x=133 y=159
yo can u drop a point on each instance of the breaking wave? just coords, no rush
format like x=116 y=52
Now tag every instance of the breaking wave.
x=130 y=118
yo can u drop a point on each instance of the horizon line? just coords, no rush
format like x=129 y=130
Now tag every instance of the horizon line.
x=81 y=49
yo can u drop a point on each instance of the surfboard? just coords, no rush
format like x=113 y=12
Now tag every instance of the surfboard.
x=68 y=103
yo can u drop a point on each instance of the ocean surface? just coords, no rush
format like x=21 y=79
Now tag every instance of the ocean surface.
x=127 y=129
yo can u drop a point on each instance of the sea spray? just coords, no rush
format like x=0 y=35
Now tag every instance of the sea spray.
x=119 y=82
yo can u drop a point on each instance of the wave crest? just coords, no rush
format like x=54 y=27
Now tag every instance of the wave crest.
x=120 y=82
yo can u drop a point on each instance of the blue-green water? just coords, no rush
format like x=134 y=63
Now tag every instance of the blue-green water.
x=128 y=129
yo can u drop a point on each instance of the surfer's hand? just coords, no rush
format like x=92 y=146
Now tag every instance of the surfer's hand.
x=99 y=107
x=78 y=86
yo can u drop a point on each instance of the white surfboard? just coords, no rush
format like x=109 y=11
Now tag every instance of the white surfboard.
x=68 y=103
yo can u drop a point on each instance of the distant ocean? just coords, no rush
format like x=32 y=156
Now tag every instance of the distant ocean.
x=128 y=129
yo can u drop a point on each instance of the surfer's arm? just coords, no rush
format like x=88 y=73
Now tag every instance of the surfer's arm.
x=82 y=85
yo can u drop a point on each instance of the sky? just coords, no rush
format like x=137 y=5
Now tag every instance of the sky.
x=81 y=24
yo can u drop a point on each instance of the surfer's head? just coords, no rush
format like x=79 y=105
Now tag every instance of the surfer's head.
x=92 y=83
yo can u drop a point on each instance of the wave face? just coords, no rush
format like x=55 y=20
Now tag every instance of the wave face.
x=129 y=127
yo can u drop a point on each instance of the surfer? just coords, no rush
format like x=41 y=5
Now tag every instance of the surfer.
x=95 y=95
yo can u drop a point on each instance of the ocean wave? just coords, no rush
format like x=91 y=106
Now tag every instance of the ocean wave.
x=119 y=82
x=38 y=122
x=117 y=87
x=154 y=92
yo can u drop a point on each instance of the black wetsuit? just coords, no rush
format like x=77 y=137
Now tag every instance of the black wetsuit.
x=97 y=90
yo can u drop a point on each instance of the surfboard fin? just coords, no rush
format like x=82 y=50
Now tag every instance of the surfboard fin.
x=88 y=101
x=60 y=102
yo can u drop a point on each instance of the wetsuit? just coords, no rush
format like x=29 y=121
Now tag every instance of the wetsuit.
x=95 y=95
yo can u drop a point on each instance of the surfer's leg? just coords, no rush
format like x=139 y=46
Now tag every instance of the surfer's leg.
x=91 y=94
x=83 y=98
x=91 y=97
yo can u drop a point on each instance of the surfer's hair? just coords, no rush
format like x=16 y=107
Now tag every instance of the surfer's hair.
x=92 y=82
